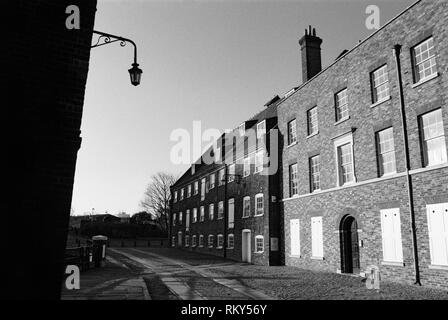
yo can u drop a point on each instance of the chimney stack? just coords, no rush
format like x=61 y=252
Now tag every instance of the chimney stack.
x=311 y=59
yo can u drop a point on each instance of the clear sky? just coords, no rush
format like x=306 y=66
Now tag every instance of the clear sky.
x=214 y=61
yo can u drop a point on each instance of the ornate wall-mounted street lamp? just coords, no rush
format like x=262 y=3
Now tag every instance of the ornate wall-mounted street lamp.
x=105 y=38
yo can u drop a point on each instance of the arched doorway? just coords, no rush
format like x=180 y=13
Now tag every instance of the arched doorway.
x=349 y=245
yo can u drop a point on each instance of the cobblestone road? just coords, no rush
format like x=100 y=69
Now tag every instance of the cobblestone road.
x=171 y=274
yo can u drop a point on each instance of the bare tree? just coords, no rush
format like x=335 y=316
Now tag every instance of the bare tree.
x=156 y=199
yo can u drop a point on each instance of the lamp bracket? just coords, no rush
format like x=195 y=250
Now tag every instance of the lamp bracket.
x=107 y=38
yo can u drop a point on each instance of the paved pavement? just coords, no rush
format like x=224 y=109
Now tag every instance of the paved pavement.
x=172 y=274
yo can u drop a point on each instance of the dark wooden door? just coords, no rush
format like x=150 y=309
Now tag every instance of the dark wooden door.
x=349 y=246
x=354 y=246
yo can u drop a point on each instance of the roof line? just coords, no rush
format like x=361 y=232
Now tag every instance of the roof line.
x=352 y=49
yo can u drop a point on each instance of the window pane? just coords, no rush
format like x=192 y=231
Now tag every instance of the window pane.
x=315 y=173
x=434 y=138
x=424 y=60
x=293 y=182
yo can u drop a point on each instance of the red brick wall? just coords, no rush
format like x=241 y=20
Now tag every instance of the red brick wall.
x=352 y=71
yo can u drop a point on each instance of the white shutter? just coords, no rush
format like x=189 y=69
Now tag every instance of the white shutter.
x=438 y=233
x=187 y=220
x=391 y=235
x=295 y=237
x=317 y=246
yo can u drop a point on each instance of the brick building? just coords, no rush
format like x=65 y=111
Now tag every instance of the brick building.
x=365 y=172
x=229 y=206
x=44 y=83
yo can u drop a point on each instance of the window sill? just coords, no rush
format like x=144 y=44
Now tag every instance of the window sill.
x=388 y=174
x=258 y=215
x=291 y=144
x=229 y=248
x=219 y=248
x=380 y=102
x=342 y=120
x=392 y=263
x=245 y=217
x=259 y=252
x=312 y=135
x=422 y=81
x=438 y=267
x=317 y=258
x=295 y=256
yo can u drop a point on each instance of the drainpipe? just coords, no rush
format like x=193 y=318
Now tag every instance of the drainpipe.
x=225 y=213
x=397 y=50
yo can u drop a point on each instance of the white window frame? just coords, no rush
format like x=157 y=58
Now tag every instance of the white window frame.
x=257 y=238
x=424 y=140
x=294 y=237
x=195 y=215
x=231 y=213
x=259 y=162
x=221 y=175
x=312 y=121
x=246 y=200
x=340 y=109
x=203 y=189
x=317 y=238
x=230 y=243
x=180 y=218
x=292 y=131
x=219 y=241
x=258 y=196
x=201 y=214
x=181 y=194
x=246 y=167
x=175 y=196
x=210 y=240
x=437 y=215
x=174 y=219
x=314 y=173
x=201 y=241
x=187 y=220
x=391 y=235
x=211 y=211
x=339 y=142
x=187 y=240
x=375 y=84
x=196 y=187
x=189 y=191
x=212 y=180
x=293 y=185
x=220 y=210
x=231 y=173
x=430 y=58
x=381 y=152
x=194 y=241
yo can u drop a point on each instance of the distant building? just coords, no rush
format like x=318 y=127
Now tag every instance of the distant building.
x=229 y=208
x=124 y=217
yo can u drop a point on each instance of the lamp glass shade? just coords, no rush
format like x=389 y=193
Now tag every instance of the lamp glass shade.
x=136 y=74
